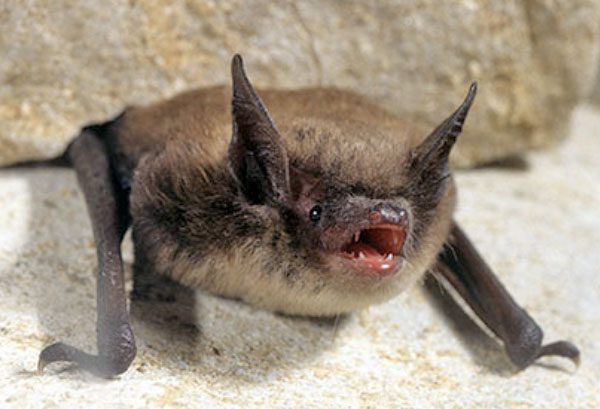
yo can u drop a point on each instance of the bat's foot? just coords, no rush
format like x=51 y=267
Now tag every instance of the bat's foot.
x=117 y=353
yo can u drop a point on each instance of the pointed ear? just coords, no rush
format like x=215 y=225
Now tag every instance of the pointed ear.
x=430 y=159
x=256 y=153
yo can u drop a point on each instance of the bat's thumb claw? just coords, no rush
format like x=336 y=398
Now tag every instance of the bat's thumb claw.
x=562 y=348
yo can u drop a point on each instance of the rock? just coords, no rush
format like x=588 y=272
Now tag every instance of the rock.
x=595 y=96
x=66 y=63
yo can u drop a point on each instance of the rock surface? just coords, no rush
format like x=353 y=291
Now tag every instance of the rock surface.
x=65 y=63
x=595 y=96
x=539 y=229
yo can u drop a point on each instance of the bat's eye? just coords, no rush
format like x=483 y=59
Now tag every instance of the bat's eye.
x=315 y=213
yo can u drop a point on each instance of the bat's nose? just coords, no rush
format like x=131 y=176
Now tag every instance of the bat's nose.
x=387 y=213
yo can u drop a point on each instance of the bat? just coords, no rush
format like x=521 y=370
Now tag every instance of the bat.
x=310 y=202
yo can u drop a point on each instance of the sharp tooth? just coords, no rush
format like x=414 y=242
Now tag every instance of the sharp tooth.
x=356 y=236
x=361 y=255
x=389 y=257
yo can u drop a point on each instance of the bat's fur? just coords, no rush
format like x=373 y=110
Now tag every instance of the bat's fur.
x=191 y=222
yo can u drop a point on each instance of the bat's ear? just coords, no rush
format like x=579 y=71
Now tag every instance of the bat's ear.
x=256 y=153
x=433 y=153
x=430 y=159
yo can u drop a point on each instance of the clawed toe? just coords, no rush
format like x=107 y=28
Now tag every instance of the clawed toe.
x=561 y=348
x=60 y=352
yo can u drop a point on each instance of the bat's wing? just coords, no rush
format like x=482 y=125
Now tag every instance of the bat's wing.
x=108 y=209
x=460 y=264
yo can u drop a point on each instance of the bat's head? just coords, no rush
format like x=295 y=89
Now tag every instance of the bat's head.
x=347 y=233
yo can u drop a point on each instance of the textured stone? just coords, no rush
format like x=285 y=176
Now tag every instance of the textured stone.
x=66 y=62
x=539 y=228
x=595 y=96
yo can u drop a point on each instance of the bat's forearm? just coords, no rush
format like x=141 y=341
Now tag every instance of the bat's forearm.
x=461 y=265
x=107 y=207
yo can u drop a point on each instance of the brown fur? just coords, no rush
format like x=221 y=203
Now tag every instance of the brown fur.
x=189 y=221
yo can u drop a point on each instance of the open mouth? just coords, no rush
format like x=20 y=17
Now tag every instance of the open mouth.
x=376 y=248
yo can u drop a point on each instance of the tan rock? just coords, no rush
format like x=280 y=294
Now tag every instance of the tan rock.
x=65 y=62
x=595 y=96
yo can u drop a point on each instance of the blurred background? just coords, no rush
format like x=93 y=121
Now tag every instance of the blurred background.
x=65 y=63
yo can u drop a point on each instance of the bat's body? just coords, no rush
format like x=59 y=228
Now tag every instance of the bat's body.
x=338 y=206
x=191 y=223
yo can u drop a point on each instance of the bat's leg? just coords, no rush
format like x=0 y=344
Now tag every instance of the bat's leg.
x=461 y=265
x=108 y=210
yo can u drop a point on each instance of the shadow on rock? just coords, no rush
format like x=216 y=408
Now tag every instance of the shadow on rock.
x=517 y=163
x=484 y=349
x=200 y=333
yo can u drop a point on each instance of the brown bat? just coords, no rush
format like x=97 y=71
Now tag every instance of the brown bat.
x=321 y=205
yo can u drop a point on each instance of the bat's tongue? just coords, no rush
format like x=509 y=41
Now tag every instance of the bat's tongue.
x=363 y=251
